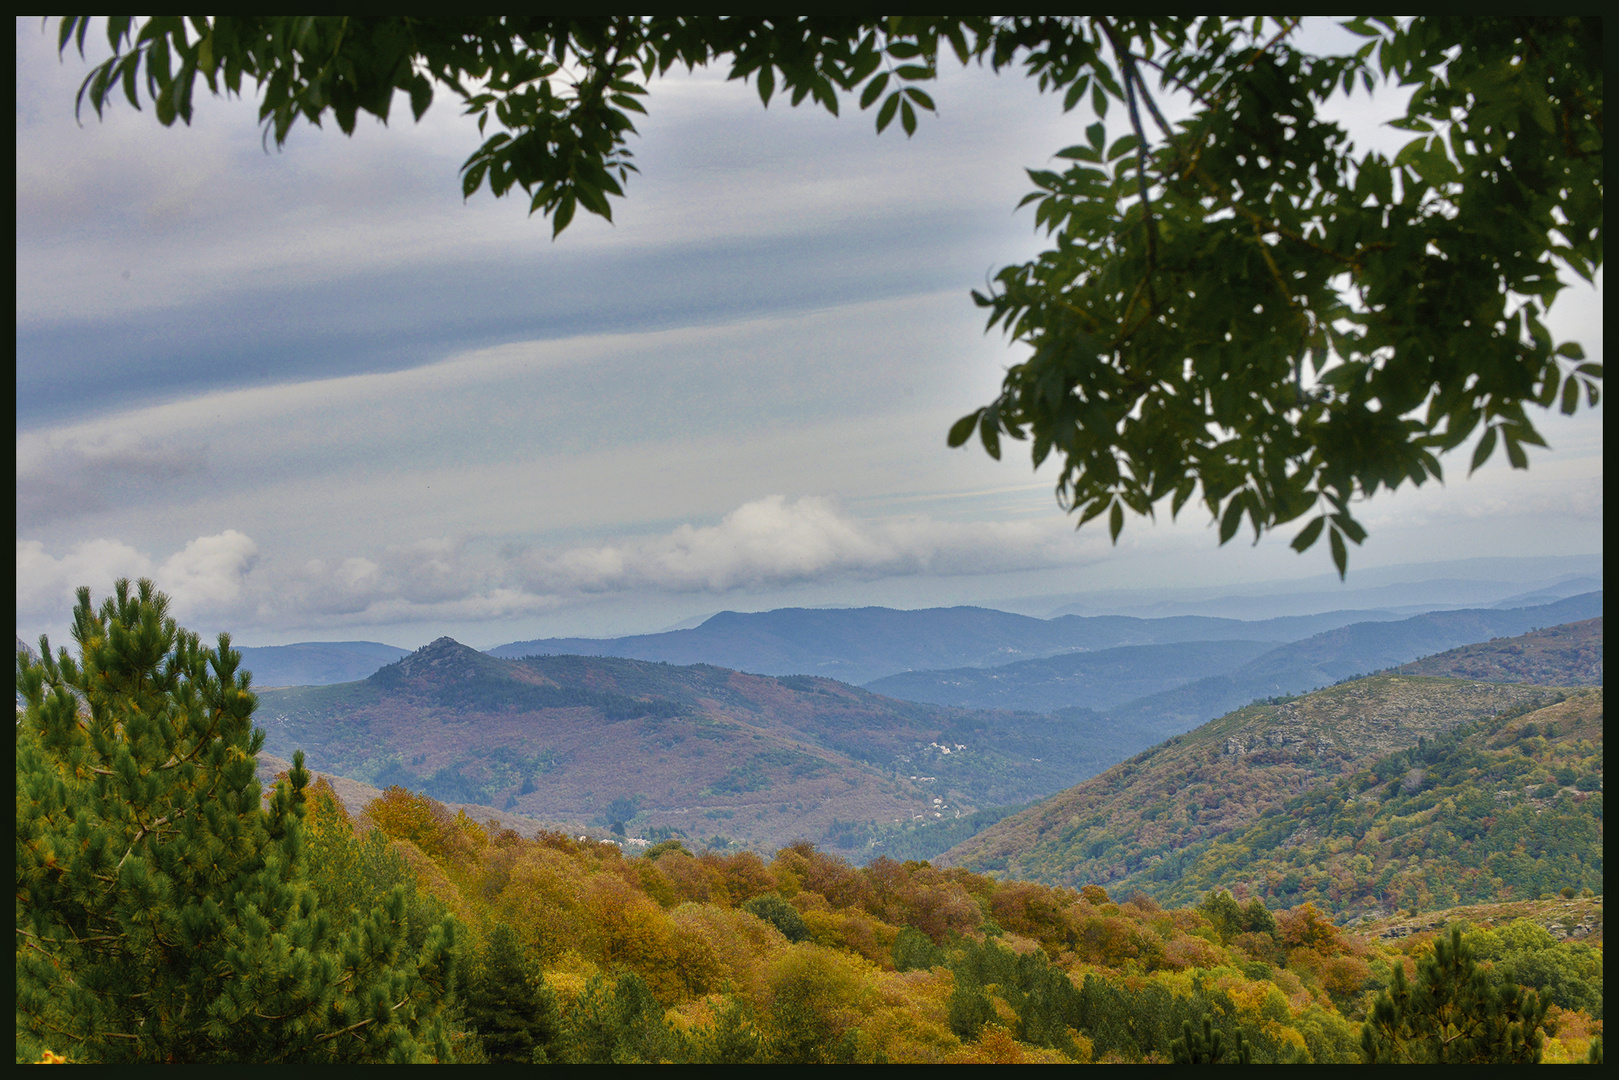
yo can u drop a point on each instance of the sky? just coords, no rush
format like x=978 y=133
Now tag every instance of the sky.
x=316 y=395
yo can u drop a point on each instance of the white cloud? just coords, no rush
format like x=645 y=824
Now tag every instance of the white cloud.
x=210 y=572
x=209 y=578
x=46 y=585
x=768 y=543
x=774 y=541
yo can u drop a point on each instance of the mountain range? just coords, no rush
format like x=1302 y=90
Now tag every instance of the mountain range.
x=763 y=759
x=1335 y=655
x=857 y=645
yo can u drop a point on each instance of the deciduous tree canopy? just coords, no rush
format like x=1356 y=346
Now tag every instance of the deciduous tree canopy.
x=1238 y=306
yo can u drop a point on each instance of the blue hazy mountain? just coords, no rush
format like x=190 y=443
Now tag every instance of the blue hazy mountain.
x=857 y=645
x=317 y=663
x=1095 y=680
x=1330 y=657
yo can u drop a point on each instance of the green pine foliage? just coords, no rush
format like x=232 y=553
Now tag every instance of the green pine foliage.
x=618 y=1023
x=1207 y=1047
x=516 y=1020
x=915 y=951
x=1456 y=1013
x=780 y=914
x=732 y=1039
x=164 y=912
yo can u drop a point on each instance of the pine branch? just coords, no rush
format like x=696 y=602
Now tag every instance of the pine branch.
x=356 y=1027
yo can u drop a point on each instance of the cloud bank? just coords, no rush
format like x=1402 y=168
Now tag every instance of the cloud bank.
x=770 y=542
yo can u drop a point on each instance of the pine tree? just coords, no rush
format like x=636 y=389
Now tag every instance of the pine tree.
x=732 y=1039
x=1223 y=914
x=1455 y=1013
x=969 y=1007
x=778 y=913
x=163 y=910
x=618 y=1024
x=1207 y=1047
x=513 y=1017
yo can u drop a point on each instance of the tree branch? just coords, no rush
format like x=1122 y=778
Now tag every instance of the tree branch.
x=356 y=1027
x=1131 y=77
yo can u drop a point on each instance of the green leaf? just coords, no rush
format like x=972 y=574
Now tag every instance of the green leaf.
x=907 y=118
x=1309 y=534
x=962 y=429
x=1340 y=554
x=1571 y=395
x=917 y=95
x=1572 y=350
x=1515 y=453
x=767 y=84
x=1096 y=134
x=873 y=90
x=1122 y=146
x=1486 y=446
x=885 y=115
x=1182 y=493
x=1115 y=521
x=1075 y=92
x=562 y=215
x=1232 y=518
x=989 y=432
x=1349 y=527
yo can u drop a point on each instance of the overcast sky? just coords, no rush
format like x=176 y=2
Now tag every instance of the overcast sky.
x=317 y=396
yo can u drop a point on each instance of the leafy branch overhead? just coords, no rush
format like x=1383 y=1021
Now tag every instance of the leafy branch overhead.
x=1238 y=305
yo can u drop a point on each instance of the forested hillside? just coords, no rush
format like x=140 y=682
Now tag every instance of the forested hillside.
x=1225 y=774
x=1567 y=655
x=169 y=912
x=1507 y=808
x=1398 y=791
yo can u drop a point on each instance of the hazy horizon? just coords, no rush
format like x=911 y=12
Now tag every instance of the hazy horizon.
x=1256 y=601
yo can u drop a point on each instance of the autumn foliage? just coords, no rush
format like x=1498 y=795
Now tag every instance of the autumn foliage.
x=713 y=958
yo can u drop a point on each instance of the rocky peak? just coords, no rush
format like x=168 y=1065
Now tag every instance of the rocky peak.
x=445 y=658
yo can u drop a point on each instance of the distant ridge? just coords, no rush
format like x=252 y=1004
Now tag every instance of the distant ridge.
x=857 y=645
x=316 y=663
x=1100 y=679
x=1329 y=657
